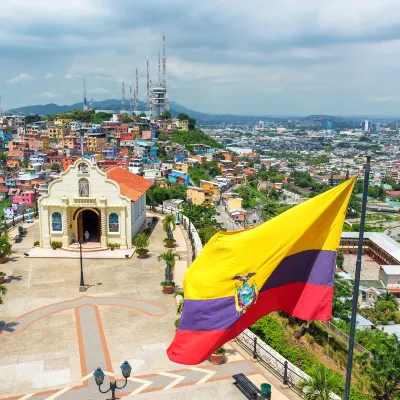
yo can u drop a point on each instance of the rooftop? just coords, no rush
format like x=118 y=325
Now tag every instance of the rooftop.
x=391 y=269
x=131 y=185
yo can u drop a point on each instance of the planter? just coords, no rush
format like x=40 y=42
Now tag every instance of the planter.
x=216 y=359
x=54 y=248
x=112 y=248
x=167 y=289
x=2 y=261
x=170 y=246
x=143 y=255
x=2 y=279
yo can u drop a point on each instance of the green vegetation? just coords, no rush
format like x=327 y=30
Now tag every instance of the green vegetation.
x=82 y=116
x=320 y=386
x=56 y=167
x=156 y=195
x=203 y=218
x=5 y=246
x=196 y=136
x=384 y=310
x=25 y=162
x=4 y=203
x=205 y=171
x=319 y=160
x=141 y=242
x=304 y=180
x=165 y=115
x=274 y=331
x=30 y=119
x=3 y=290
x=368 y=228
x=342 y=295
x=272 y=175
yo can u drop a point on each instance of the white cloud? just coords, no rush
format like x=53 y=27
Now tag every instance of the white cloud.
x=68 y=76
x=19 y=79
x=49 y=95
x=49 y=75
x=98 y=91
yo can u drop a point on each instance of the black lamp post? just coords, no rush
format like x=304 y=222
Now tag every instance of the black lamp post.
x=190 y=207
x=82 y=287
x=36 y=204
x=99 y=378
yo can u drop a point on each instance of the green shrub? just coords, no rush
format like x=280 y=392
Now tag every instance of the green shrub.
x=177 y=322
x=55 y=244
x=36 y=243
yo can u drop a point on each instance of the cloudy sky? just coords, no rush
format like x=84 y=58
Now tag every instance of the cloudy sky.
x=271 y=57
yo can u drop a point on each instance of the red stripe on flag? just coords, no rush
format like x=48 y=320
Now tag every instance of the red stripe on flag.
x=302 y=300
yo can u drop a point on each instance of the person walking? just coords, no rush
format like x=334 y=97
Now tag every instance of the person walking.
x=87 y=235
x=73 y=237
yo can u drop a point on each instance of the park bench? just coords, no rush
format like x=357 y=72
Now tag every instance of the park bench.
x=18 y=238
x=247 y=387
x=22 y=231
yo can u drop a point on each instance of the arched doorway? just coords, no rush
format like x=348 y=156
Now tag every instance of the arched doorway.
x=88 y=220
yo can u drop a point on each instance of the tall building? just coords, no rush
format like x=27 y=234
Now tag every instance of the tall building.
x=366 y=126
x=377 y=127
x=159 y=100
x=394 y=126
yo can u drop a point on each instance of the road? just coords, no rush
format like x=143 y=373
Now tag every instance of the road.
x=223 y=218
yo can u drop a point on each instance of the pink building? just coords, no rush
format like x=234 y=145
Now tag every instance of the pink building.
x=27 y=197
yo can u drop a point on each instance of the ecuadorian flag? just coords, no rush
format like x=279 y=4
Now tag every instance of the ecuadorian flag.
x=287 y=263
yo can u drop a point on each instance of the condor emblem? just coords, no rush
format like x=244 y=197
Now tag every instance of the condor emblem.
x=246 y=292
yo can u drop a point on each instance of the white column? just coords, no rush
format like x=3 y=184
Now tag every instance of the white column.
x=65 y=226
x=45 y=227
x=122 y=228
x=103 y=240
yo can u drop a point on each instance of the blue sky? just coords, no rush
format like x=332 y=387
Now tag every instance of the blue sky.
x=224 y=56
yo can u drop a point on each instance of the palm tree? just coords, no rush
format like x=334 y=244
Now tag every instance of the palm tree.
x=141 y=241
x=388 y=296
x=319 y=386
x=169 y=225
x=169 y=257
x=5 y=246
x=3 y=291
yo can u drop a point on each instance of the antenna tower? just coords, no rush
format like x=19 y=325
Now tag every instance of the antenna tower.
x=159 y=69
x=85 y=106
x=130 y=97
x=148 y=87
x=164 y=65
x=150 y=98
x=136 y=92
x=123 y=96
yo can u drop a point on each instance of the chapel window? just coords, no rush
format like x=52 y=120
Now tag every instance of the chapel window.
x=113 y=222
x=56 y=222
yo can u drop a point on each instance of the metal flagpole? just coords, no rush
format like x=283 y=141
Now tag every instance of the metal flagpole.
x=357 y=283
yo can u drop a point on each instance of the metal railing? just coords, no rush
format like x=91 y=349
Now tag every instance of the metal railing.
x=281 y=369
x=274 y=362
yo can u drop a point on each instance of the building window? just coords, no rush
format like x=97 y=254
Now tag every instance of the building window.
x=113 y=222
x=56 y=222
x=83 y=187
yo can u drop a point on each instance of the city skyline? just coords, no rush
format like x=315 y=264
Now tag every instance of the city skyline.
x=222 y=57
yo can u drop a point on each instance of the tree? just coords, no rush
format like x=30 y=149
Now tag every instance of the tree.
x=169 y=225
x=25 y=162
x=320 y=386
x=5 y=246
x=339 y=259
x=142 y=114
x=141 y=241
x=126 y=119
x=56 y=167
x=3 y=292
x=170 y=258
x=30 y=119
x=183 y=116
x=165 y=115
x=341 y=303
x=388 y=296
x=192 y=124
x=385 y=367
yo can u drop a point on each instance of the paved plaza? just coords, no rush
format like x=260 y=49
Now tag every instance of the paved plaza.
x=369 y=268
x=53 y=337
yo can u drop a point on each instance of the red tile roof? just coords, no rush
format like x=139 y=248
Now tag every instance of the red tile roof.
x=132 y=185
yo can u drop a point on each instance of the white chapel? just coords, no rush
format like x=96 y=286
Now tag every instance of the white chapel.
x=109 y=206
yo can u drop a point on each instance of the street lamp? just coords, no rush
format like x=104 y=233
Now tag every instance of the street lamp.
x=190 y=207
x=36 y=203
x=99 y=378
x=82 y=287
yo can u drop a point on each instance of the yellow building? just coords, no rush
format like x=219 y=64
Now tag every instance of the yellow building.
x=199 y=196
x=234 y=203
x=57 y=132
x=95 y=143
x=62 y=121
x=181 y=167
x=207 y=185
x=181 y=125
